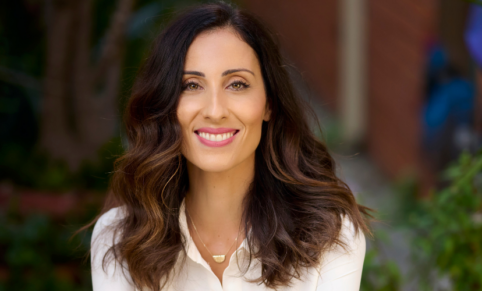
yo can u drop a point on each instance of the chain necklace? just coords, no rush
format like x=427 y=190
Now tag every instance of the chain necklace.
x=217 y=258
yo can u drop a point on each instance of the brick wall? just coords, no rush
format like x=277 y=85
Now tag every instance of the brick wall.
x=399 y=34
x=307 y=30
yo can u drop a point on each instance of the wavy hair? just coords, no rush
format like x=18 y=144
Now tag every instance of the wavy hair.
x=295 y=203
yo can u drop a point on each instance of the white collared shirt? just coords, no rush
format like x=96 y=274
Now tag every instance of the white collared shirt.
x=339 y=270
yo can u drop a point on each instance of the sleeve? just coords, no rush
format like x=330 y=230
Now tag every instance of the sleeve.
x=113 y=278
x=342 y=269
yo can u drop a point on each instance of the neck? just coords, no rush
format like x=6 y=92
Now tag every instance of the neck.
x=215 y=199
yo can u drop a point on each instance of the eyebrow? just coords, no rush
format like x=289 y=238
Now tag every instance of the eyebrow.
x=225 y=73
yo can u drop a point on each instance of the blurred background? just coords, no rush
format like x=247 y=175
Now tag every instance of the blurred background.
x=396 y=85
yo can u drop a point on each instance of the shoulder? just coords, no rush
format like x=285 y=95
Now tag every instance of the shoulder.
x=341 y=266
x=355 y=241
x=104 y=232
x=108 y=276
x=109 y=219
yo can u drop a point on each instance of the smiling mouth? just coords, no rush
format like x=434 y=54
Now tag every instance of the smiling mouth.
x=216 y=137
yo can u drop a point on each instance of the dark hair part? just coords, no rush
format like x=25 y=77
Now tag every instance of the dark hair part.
x=295 y=203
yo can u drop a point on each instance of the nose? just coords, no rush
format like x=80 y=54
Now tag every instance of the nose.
x=215 y=107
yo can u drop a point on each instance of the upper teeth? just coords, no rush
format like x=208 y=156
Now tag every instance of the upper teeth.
x=216 y=137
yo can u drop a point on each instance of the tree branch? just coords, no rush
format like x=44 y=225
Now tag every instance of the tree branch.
x=114 y=37
x=19 y=78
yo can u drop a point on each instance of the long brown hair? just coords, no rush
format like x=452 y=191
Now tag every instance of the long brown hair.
x=295 y=202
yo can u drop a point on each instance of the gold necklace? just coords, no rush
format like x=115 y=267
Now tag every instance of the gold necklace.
x=217 y=258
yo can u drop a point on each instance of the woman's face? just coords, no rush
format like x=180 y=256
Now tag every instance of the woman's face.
x=223 y=103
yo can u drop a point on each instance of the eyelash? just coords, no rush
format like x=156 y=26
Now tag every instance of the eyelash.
x=245 y=85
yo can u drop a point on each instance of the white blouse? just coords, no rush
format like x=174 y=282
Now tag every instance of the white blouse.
x=339 y=270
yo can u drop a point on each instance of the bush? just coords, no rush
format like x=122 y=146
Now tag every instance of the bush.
x=448 y=228
x=37 y=253
x=34 y=169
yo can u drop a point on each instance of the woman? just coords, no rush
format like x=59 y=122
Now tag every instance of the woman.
x=224 y=186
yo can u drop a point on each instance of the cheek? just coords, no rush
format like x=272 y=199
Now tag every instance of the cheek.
x=186 y=111
x=251 y=112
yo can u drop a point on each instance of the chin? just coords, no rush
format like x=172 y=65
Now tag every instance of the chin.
x=217 y=162
x=214 y=166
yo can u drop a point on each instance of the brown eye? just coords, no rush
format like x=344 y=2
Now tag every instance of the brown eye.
x=191 y=86
x=236 y=86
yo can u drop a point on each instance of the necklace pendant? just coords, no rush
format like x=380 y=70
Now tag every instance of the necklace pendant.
x=219 y=258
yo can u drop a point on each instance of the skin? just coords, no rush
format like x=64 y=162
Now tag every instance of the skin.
x=220 y=176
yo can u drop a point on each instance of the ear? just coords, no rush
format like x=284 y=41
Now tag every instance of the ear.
x=267 y=114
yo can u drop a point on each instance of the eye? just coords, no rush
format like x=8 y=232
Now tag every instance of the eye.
x=190 y=86
x=239 y=85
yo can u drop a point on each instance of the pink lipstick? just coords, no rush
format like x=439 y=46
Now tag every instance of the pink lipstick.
x=216 y=137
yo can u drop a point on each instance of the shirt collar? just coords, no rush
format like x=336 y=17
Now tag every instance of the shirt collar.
x=191 y=249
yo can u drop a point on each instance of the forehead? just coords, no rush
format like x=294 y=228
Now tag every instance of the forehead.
x=220 y=49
